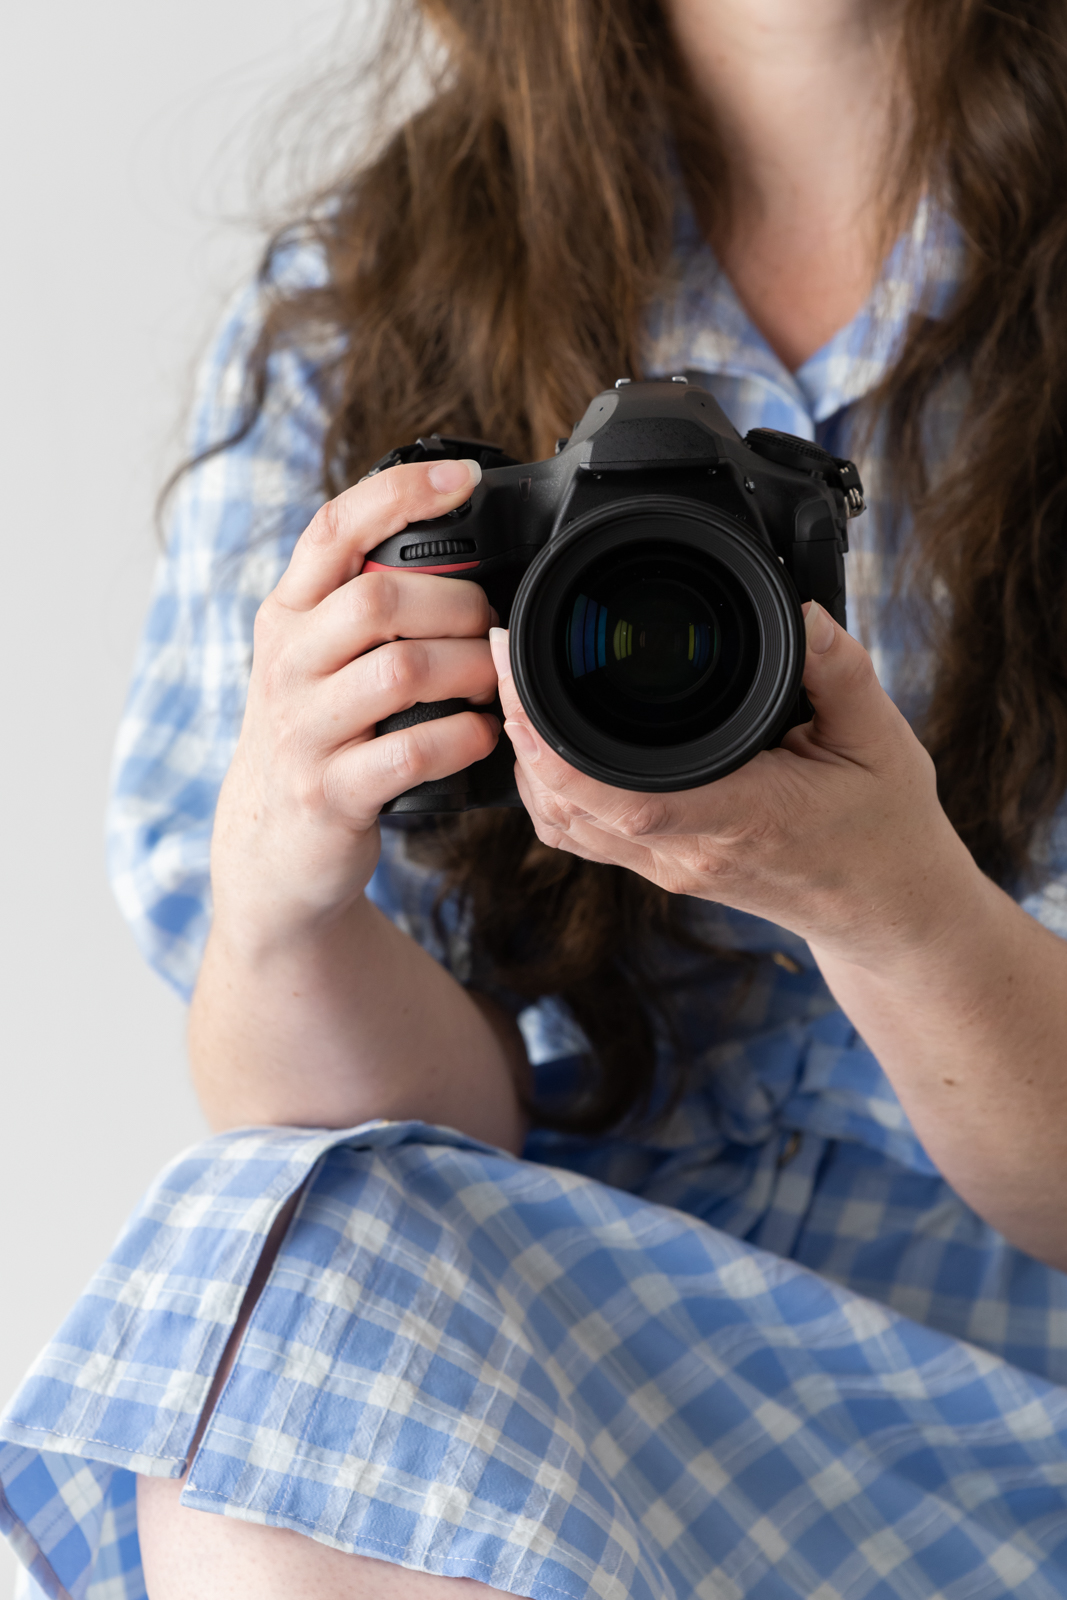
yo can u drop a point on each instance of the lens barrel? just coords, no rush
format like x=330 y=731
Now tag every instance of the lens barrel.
x=657 y=644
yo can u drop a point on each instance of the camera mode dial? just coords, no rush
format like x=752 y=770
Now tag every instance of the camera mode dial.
x=802 y=455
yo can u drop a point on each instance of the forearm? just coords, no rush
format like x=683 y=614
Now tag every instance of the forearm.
x=348 y=1021
x=311 y=1007
x=839 y=836
x=971 y=1029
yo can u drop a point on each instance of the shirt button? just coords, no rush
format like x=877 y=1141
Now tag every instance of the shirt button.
x=790 y=1148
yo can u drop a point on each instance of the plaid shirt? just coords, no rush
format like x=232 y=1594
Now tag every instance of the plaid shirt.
x=561 y=1379
x=480 y=1367
x=237 y=516
x=786 y=1063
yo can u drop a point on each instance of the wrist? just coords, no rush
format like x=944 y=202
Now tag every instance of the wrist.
x=281 y=873
x=264 y=933
x=929 y=900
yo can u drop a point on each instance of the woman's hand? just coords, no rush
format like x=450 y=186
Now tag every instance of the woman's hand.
x=336 y=651
x=837 y=835
x=311 y=1006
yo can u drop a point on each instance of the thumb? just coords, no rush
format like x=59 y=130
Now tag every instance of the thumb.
x=852 y=710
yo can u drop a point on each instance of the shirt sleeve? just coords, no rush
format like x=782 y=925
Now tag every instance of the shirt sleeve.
x=234 y=520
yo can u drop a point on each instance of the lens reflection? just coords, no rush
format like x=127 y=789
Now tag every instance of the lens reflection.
x=657 y=640
x=657 y=643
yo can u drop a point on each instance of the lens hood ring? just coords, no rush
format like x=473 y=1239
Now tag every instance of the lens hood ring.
x=639 y=527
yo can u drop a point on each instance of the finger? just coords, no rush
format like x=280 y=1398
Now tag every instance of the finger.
x=533 y=747
x=394 y=678
x=332 y=546
x=853 y=713
x=359 y=779
x=376 y=607
x=543 y=767
x=562 y=798
x=587 y=841
x=500 y=645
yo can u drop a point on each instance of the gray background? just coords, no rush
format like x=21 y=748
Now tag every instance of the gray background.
x=125 y=136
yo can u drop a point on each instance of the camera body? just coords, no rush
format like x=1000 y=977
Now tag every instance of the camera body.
x=652 y=574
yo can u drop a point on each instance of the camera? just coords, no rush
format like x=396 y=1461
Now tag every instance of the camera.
x=651 y=574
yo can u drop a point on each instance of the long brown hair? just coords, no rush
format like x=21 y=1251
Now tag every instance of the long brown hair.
x=490 y=269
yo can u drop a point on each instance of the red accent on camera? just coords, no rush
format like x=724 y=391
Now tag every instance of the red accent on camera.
x=457 y=566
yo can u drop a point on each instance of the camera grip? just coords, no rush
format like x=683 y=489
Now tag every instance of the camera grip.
x=422 y=711
x=489 y=782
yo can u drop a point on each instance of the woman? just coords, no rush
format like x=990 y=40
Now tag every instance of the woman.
x=834 y=1037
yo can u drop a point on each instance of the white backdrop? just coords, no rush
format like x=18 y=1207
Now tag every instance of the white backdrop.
x=124 y=135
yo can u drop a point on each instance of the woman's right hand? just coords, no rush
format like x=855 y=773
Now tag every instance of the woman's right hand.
x=312 y=1007
x=336 y=651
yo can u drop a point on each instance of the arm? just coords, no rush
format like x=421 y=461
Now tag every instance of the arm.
x=969 y=1021
x=839 y=836
x=311 y=1007
x=346 y=1021
x=231 y=529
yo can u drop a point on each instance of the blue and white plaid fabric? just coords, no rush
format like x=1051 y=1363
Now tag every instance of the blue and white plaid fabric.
x=237 y=516
x=480 y=1367
x=553 y=1383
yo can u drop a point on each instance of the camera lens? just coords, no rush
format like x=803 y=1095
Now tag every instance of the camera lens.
x=654 y=643
x=657 y=643
x=663 y=637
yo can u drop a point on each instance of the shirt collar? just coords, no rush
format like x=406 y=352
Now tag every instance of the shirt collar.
x=700 y=325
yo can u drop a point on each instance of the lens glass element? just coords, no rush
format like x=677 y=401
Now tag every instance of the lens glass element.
x=657 y=640
x=656 y=643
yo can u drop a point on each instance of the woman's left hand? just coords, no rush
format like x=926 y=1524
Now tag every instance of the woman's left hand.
x=837 y=834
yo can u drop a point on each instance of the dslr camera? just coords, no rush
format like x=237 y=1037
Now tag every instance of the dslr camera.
x=651 y=575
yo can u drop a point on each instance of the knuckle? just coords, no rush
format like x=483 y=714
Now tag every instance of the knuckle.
x=707 y=865
x=554 y=778
x=326 y=526
x=265 y=627
x=373 y=599
x=859 y=672
x=756 y=839
x=478 y=739
x=554 y=812
x=311 y=788
x=649 y=817
x=404 y=758
x=331 y=791
x=389 y=486
x=475 y=602
x=400 y=668
x=483 y=737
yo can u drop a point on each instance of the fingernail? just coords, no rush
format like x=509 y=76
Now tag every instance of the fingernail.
x=498 y=644
x=494 y=618
x=448 y=476
x=494 y=723
x=522 y=740
x=819 y=627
